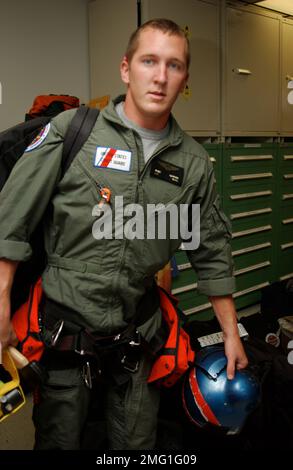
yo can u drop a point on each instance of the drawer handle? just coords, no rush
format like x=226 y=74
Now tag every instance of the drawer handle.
x=213 y=160
x=240 y=215
x=288 y=157
x=184 y=266
x=287 y=221
x=200 y=308
x=251 y=231
x=287 y=276
x=251 y=177
x=250 y=249
x=285 y=246
x=187 y=288
x=287 y=196
x=289 y=176
x=235 y=197
x=241 y=71
x=250 y=289
x=252 y=268
x=251 y=158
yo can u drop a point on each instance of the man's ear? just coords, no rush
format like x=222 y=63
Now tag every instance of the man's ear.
x=124 y=70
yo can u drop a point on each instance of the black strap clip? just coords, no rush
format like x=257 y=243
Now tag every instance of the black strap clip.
x=132 y=351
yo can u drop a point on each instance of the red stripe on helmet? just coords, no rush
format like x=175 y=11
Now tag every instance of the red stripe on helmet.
x=200 y=401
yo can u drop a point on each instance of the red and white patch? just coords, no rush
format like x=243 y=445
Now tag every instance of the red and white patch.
x=115 y=159
x=39 y=138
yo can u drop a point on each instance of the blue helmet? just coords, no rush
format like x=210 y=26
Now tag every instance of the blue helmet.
x=209 y=397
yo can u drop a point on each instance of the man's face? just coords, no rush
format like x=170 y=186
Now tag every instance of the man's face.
x=155 y=76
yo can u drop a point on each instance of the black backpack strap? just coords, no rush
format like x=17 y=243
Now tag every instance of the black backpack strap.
x=77 y=133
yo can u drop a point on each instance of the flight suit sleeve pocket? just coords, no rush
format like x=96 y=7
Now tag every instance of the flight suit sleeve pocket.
x=219 y=219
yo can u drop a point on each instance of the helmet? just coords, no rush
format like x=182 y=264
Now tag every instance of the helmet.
x=209 y=397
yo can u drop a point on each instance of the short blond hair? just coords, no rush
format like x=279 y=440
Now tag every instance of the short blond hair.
x=160 y=24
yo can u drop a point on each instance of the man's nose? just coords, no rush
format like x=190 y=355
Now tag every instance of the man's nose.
x=161 y=75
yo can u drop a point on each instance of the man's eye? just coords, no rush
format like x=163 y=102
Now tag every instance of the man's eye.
x=148 y=61
x=175 y=66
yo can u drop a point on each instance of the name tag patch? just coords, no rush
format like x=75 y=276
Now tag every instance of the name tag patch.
x=115 y=159
x=167 y=171
x=39 y=138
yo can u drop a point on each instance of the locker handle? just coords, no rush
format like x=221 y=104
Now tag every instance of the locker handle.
x=251 y=176
x=254 y=267
x=180 y=290
x=182 y=267
x=235 y=197
x=250 y=289
x=251 y=158
x=251 y=231
x=240 y=71
x=287 y=221
x=240 y=215
x=285 y=246
x=250 y=249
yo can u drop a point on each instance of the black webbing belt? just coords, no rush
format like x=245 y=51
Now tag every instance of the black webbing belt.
x=66 y=336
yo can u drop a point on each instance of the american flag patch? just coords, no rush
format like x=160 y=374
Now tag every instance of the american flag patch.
x=116 y=159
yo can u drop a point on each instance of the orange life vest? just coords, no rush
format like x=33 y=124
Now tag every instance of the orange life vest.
x=174 y=359
x=176 y=356
x=26 y=325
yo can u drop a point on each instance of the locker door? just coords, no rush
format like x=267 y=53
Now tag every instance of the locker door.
x=110 y=25
x=252 y=73
x=197 y=110
x=287 y=77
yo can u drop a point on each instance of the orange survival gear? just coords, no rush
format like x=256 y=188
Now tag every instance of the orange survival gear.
x=176 y=356
x=25 y=322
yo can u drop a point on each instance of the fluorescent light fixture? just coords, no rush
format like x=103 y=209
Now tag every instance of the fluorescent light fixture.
x=285 y=6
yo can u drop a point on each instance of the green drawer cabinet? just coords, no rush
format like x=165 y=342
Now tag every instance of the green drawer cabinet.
x=285 y=213
x=249 y=200
x=255 y=181
x=184 y=286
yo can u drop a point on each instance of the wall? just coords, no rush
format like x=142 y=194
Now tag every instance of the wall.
x=43 y=49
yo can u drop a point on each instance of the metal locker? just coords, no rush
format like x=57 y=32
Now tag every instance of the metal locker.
x=287 y=78
x=251 y=73
x=198 y=108
x=110 y=25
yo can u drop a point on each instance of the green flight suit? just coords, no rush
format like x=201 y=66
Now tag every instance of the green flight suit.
x=103 y=280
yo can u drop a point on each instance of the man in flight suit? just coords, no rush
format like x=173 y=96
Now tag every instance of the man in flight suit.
x=130 y=151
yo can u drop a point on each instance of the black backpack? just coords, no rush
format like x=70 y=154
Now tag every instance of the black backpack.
x=13 y=143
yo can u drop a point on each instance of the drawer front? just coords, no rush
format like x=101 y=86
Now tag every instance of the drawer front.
x=240 y=160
